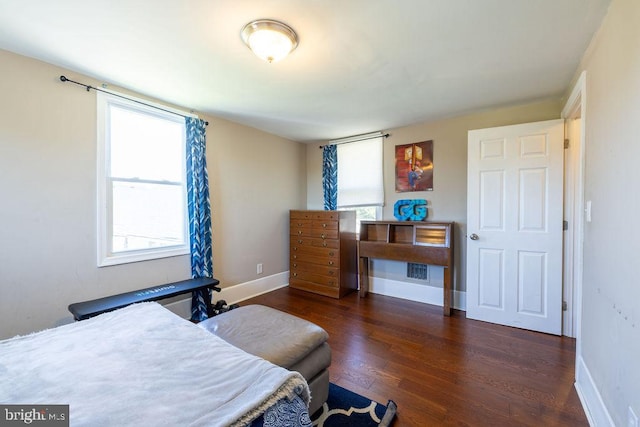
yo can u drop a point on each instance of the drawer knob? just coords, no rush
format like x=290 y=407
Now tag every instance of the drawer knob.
x=295 y=256
x=331 y=272
x=300 y=241
x=331 y=254
x=323 y=236
x=295 y=265
x=295 y=248
x=299 y=232
x=295 y=274
x=324 y=225
x=324 y=244
x=330 y=262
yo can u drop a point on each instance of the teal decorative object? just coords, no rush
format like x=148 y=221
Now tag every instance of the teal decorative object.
x=410 y=210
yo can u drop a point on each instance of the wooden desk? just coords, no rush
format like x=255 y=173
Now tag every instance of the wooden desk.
x=417 y=242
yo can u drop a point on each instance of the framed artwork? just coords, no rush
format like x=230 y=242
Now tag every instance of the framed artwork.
x=414 y=167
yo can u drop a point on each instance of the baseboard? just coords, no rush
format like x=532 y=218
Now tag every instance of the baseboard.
x=415 y=292
x=393 y=288
x=243 y=291
x=592 y=403
x=237 y=293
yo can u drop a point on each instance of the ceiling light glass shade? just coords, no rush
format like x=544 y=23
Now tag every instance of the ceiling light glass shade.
x=269 y=40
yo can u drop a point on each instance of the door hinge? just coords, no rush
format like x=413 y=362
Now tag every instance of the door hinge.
x=565 y=225
x=566 y=144
x=564 y=306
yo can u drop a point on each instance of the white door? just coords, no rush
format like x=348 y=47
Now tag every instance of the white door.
x=514 y=225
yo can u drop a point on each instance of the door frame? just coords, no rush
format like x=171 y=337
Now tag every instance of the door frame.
x=573 y=250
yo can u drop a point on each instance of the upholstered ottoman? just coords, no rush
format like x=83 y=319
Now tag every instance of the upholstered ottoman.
x=282 y=339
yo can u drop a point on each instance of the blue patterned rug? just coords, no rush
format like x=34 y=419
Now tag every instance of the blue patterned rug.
x=346 y=408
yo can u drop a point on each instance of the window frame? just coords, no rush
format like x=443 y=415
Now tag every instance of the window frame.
x=105 y=254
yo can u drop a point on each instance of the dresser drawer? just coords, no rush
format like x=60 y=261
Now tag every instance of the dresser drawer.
x=314 y=287
x=297 y=266
x=324 y=225
x=299 y=232
x=328 y=253
x=332 y=282
x=295 y=224
x=303 y=257
x=325 y=243
x=326 y=215
x=301 y=215
x=316 y=215
x=319 y=233
x=313 y=232
x=317 y=242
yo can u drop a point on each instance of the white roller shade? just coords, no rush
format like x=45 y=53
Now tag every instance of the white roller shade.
x=360 y=180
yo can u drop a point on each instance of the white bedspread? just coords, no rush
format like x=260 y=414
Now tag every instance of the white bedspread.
x=141 y=365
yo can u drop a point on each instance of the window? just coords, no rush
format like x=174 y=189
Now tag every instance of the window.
x=365 y=213
x=142 y=209
x=360 y=180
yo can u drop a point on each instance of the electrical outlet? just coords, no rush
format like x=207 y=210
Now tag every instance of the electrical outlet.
x=259 y=268
x=632 y=418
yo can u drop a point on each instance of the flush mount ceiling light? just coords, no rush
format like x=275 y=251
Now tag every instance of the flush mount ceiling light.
x=269 y=40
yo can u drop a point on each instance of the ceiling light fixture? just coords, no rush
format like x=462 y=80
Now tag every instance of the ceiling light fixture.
x=269 y=40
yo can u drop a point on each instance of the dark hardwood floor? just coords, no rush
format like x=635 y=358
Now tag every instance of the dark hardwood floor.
x=441 y=371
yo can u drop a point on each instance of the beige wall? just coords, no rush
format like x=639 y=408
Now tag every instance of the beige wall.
x=610 y=327
x=48 y=201
x=256 y=178
x=448 y=200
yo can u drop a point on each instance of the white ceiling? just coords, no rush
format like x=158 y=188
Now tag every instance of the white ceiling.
x=361 y=65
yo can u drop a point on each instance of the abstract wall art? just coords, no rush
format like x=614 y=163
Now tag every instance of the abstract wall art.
x=414 y=167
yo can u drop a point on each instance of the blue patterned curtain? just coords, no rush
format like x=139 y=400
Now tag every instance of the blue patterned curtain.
x=330 y=177
x=199 y=214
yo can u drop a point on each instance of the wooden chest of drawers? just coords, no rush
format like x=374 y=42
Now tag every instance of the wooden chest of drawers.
x=323 y=252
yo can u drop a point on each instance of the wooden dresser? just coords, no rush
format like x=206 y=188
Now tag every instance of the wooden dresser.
x=323 y=252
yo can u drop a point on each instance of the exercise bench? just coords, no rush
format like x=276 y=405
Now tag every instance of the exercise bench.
x=87 y=309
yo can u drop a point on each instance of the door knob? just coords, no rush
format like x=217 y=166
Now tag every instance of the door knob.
x=474 y=236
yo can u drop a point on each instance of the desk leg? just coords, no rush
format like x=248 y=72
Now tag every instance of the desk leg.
x=448 y=280
x=364 y=276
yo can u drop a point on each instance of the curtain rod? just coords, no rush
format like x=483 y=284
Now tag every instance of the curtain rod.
x=356 y=138
x=88 y=88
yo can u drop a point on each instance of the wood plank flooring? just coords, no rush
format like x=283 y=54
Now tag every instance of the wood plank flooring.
x=441 y=371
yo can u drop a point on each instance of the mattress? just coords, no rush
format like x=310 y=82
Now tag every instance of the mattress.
x=143 y=365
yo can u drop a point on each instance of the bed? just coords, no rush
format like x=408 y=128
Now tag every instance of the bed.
x=143 y=365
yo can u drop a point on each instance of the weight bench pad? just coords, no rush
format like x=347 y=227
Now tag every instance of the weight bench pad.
x=280 y=338
x=276 y=336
